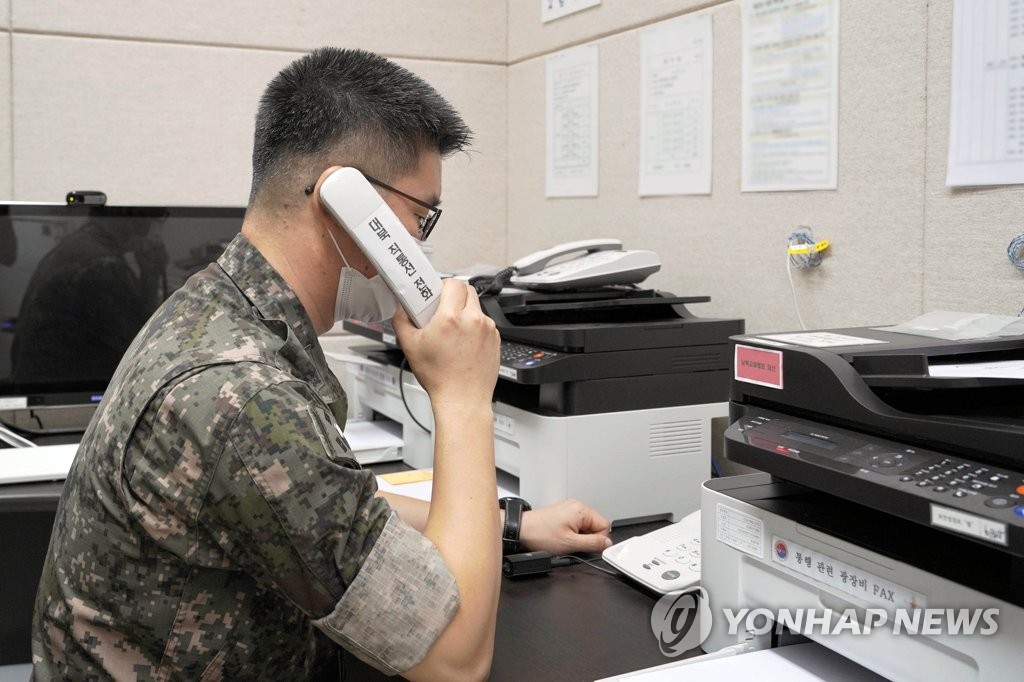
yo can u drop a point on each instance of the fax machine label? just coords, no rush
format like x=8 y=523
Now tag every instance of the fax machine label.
x=758 y=366
x=844 y=577
x=969 y=524
x=508 y=373
x=739 y=530
x=504 y=424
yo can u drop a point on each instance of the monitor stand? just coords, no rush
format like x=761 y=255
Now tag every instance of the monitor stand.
x=49 y=424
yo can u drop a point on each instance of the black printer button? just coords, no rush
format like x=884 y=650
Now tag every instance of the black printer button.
x=997 y=502
x=940 y=488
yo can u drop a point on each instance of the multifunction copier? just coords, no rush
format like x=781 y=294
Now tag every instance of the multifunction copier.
x=609 y=395
x=892 y=495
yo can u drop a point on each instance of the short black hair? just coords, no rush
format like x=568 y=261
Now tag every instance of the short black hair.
x=349 y=106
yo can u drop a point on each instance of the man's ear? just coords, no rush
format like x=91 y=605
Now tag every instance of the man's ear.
x=314 y=190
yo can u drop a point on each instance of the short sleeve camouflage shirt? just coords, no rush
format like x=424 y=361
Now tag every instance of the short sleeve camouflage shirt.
x=214 y=524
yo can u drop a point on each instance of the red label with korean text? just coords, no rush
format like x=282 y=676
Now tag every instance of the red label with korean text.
x=758 y=366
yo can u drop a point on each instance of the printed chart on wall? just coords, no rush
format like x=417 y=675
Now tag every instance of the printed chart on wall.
x=986 y=113
x=572 y=88
x=675 y=107
x=556 y=9
x=790 y=95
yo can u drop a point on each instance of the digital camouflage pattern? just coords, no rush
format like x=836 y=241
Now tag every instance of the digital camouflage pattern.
x=213 y=524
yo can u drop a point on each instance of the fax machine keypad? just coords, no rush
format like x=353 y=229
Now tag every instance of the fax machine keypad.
x=521 y=355
x=995 y=488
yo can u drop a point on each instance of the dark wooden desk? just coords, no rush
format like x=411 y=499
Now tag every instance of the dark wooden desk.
x=575 y=623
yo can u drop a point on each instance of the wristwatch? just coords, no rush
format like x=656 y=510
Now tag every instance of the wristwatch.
x=514 y=508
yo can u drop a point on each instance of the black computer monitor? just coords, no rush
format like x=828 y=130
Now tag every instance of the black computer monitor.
x=77 y=282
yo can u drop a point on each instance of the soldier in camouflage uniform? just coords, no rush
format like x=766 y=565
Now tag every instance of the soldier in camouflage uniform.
x=214 y=525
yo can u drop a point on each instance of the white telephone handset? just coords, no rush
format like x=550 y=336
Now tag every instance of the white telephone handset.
x=601 y=262
x=364 y=215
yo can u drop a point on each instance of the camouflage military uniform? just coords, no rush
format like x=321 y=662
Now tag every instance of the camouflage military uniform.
x=214 y=525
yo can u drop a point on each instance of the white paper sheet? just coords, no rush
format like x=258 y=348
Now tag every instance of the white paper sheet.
x=790 y=95
x=807 y=662
x=1003 y=369
x=986 y=113
x=675 y=107
x=572 y=89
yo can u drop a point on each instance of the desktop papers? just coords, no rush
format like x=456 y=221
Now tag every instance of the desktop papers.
x=790 y=95
x=986 y=113
x=675 y=107
x=419 y=484
x=572 y=89
x=808 y=662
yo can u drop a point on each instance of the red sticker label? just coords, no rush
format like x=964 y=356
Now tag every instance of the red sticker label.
x=758 y=366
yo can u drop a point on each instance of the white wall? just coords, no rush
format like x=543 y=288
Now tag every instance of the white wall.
x=902 y=243
x=153 y=102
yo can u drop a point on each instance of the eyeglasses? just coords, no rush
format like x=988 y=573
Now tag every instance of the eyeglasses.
x=426 y=222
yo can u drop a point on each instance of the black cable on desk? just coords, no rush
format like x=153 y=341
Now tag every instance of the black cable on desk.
x=401 y=390
x=573 y=559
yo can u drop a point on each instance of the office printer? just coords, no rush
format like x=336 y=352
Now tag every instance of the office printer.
x=605 y=394
x=894 y=481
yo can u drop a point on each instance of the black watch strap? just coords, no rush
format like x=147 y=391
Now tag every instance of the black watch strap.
x=514 y=508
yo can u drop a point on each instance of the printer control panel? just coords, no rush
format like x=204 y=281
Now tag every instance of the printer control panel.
x=519 y=359
x=942 y=490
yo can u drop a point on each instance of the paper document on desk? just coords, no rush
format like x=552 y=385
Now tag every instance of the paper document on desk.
x=374 y=441
x=418 y=484
x=796 y=663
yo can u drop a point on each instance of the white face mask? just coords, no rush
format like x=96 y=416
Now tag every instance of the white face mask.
x=358 y=298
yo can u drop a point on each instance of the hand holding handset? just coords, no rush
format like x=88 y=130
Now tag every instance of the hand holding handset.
x=365 y=216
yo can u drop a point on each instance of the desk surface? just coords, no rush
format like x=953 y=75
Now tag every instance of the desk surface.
x=575 y=623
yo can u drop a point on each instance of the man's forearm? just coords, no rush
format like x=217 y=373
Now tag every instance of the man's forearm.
x=463 y=523
x=412 y=511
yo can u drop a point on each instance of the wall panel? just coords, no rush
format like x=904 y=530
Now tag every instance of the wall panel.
x=453 y=30
x=6 y=169
x=528 y=37
x=967 y=230
x=731 y=245
x=143 y=122
x=163 y=123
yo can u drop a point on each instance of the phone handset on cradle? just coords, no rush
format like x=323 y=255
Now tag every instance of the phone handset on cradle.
x=365 y=216
x=600 y=262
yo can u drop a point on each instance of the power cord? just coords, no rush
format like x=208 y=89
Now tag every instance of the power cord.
x=802 y=252
x=401 y=391
x=488 y=285
x=573 y=559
